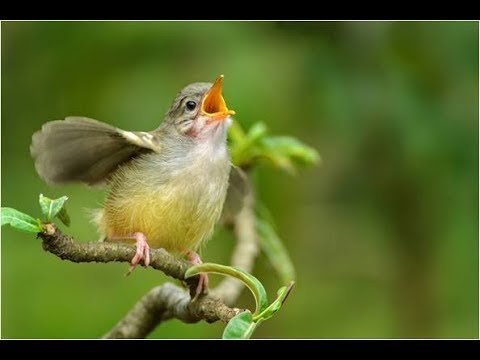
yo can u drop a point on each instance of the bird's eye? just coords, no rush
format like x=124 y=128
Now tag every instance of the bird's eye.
x=191 y=105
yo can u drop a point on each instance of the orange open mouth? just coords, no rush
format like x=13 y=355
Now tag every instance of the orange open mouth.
x=213 y=104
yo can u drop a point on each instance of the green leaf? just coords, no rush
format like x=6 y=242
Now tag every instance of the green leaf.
x=20 y=221
x=245 y=147
x=275 y=251
x=282 y=295
x=249 y=280
x=63 y=216
x=52 y=207
x=257 y=132
x=286 y=153
x=255 y=146
x=292 y=148
x=240 y=326
x=277 y=160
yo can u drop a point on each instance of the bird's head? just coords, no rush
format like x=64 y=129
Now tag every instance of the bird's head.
x=199 y=110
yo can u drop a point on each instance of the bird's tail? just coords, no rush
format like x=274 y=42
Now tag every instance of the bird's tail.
x=95 y=216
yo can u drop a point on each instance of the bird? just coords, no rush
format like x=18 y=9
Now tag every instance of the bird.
x=166 y=187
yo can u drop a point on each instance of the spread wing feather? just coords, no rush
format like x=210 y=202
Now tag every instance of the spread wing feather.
x=80 y=149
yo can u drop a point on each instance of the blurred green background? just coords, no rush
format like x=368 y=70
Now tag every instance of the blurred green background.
x=384 y=234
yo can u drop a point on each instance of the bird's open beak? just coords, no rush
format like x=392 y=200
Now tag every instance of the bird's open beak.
x=213 y=104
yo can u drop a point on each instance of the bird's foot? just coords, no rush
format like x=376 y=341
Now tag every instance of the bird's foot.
x=202 y=286
x=143 y=252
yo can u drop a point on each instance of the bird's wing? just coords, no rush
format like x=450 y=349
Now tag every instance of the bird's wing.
x=142 y=139
x=80 y=149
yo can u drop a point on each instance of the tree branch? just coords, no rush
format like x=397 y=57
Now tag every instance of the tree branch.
x=65 y=248
x=173 y=300
x=163 y=303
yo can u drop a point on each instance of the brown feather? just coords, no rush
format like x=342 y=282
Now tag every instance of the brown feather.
x=80 y=149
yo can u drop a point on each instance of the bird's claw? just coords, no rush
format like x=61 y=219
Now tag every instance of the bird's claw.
x=142 y=253
x=202 y=286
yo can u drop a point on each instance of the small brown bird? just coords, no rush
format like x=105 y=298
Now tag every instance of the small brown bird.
x=166 y=187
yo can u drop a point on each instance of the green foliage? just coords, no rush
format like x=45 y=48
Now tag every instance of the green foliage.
x=282 y=295
x=63 y=216
x=51 y=208
x=20 y=221
x=242 y=325
x=286 y=153
x=249 y=280
x=283 y=152
x=274 y=249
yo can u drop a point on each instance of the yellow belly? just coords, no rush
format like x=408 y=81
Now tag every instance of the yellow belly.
x=177 y=215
